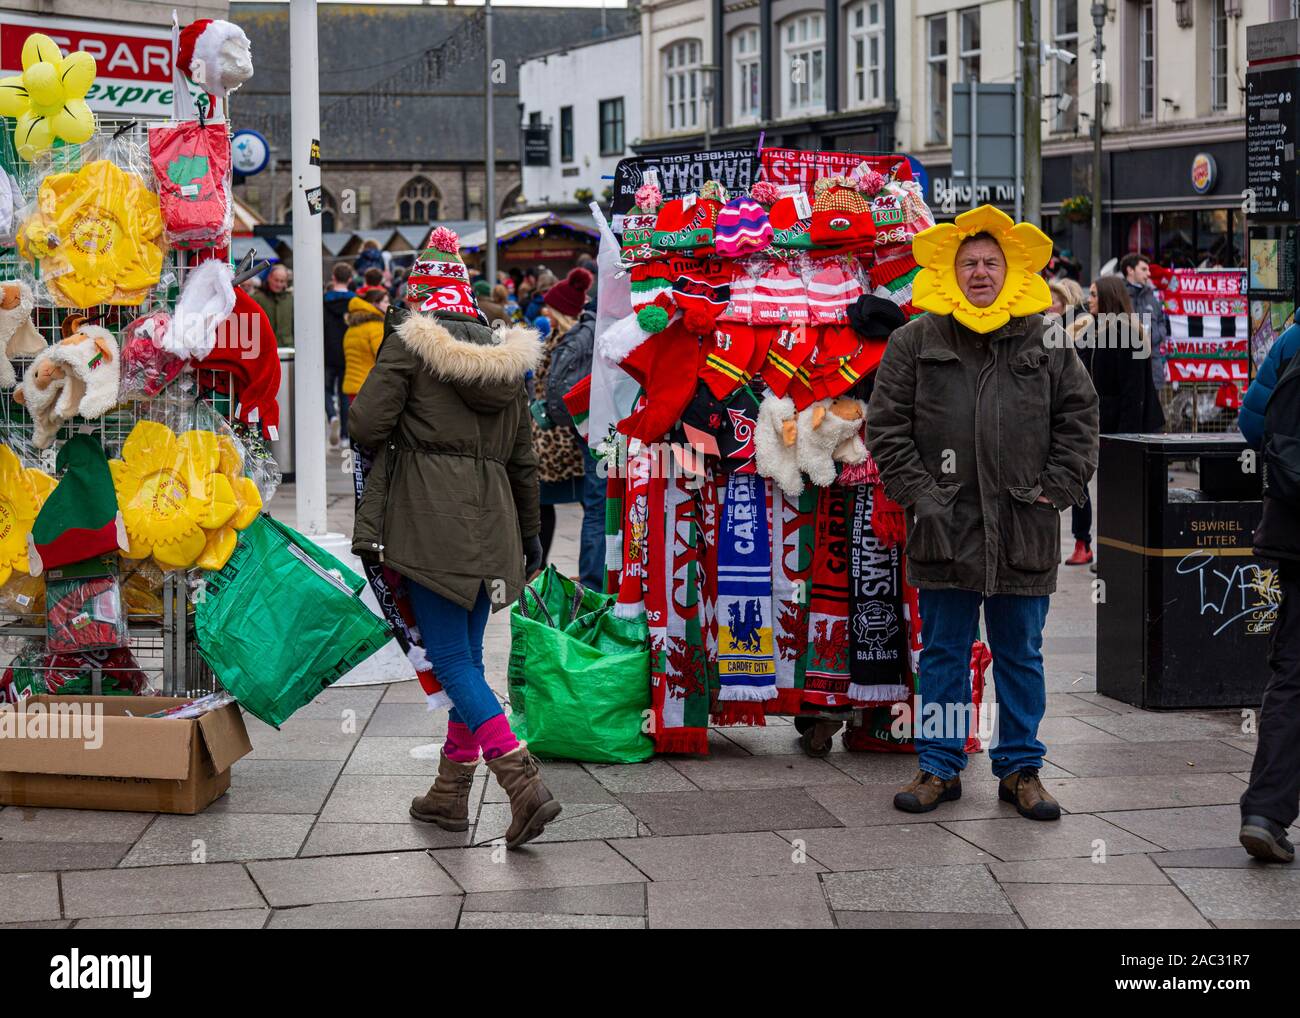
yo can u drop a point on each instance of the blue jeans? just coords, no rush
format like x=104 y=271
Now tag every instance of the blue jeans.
x=591 y=544
x=453 y=642
x=1014 y=624
x=336 y=403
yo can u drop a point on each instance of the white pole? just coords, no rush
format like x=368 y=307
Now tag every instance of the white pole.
x=490 y=169
x=309 y=362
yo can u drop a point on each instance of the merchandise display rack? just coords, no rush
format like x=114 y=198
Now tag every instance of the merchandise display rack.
x=162 y=641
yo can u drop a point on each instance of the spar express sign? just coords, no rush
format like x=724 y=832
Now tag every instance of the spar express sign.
x=134 y=61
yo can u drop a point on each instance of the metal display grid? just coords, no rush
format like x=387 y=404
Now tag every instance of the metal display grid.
x=163 y=642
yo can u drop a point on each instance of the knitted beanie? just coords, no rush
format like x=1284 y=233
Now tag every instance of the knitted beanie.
x=741 y=308
x=742 y=228
x=438 y=281
x=779 y=297
x=702 y=293
x=687 y=224
x=841 y=216
x=791 y=219
x=832 y=287
x=639 y=225
x=570 y=294
x=652 y=294
x=899 y=212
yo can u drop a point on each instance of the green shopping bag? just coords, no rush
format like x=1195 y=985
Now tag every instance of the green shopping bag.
x=579 y=675
x=282 y=621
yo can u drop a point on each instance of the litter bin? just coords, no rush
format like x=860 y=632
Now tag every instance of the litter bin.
x=282 y=448
x=1185 y=609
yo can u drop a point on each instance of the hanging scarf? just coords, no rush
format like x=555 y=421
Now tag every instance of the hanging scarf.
x=877 y=635
x=706 y=502
x=615 y=490
x=636 y=531
x=793 y=528
x=680 y=693
x=390 y=591
x=826 y=682
x=747 y=671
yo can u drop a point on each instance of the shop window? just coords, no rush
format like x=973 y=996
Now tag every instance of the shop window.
x=1218 y=56
x=746 y=75
x=1065 y=35
x=968 y=42
x=936 y=32
x=1146 y=55
x=681 y=72
x=866 y=53
x=803 y=55
x=611 y=127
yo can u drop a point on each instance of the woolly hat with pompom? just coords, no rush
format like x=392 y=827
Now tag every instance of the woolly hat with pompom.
x=569 y=294
x=438 y=281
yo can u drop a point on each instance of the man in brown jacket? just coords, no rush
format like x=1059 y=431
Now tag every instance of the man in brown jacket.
x=983 y=438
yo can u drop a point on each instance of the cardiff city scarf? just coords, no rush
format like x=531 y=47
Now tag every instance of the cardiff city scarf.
x=394 y=604
x=746 y=668
x=680 y=691
x=793 y=527
x=877 y=634
x=826 y=679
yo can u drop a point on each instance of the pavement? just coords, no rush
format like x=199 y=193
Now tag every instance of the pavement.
x=314 y=831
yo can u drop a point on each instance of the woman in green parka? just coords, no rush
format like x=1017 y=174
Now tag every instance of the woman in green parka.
x=451 y=504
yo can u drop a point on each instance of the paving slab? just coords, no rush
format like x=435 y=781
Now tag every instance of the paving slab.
x=580 y=821
x=888 y=847
x=782 y=902
x=1103 y=906
x=219 y=837
x=669 y=813
x=77 y=826
x=716 y=856
x=362 y=839
x=408 y=913
x=49 y=856
x=1065 y=705
x=1066 y=731
x=278 y=786
x=373 y=799
x=350 y=878
x=1184 y=828
x=546 y=921
x=29 y=897
x=300 y=740
x=925 y=921
x=1226 y=858
x=159 y=890
x=899 y=768
x=1187 y=756
x=230 y=919
x=568 y=782
x=1156 y=726
x=565 y=864
x=406 y=719
x=1261 y=892
x=1116 y=869
x=873 y=805
x=408 y=691
x=333 y=705
x=651 y=776
x=1074 y=835
x=380 y=754
x=1111 y=704
x=603 y=899
x=784 y=771
x=917 y=889
x=772 y=740
x=1096 y=795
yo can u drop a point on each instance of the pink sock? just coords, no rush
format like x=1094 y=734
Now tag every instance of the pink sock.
x=460 y=746
x=495 y=737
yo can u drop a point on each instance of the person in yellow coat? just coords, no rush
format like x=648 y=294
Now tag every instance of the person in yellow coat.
x=365 y=320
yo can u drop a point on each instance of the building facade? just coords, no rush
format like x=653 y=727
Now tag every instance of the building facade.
x=580 y=110
x=402 y=106
x=878 y=75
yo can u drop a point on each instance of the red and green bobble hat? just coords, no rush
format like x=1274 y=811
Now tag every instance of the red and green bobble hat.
x=80 y=519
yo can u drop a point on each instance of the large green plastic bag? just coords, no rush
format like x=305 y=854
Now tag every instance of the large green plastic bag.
x=586 y=674
x=282 y=621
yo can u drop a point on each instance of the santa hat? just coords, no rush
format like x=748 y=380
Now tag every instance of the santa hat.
x=439 y=282
x=199 y=55
x=78 y=376
x=80 y=519
x=702 y=293
x=245 y=349
x=206 y=300
x=841 y=216
x=667 y=367
x=742 y=228
x=18 y=336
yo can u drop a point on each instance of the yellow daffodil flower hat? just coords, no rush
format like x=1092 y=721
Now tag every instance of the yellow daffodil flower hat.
x=1024 y=292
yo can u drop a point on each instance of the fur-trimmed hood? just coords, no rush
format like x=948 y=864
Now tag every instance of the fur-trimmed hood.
x=504 y=356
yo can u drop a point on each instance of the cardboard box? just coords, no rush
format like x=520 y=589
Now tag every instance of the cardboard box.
x=52 y=754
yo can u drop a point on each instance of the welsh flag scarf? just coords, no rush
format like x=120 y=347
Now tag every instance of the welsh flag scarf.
x=793 y=527
x=878 y=635
x=826 y=681
x=638 y=507
x=746 y=667
x=679 y=685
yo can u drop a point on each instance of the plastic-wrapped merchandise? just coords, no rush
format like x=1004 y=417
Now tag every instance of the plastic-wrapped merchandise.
x=142 y=587
x=148 y=368
x=84 y=612
x=23 y=596
x=111 y=672
x=191 y=162
x=22 y=493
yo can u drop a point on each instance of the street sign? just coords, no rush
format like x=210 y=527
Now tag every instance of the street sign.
x=249 y=152
x=1271 y=126
x=994 y=168
x=537 y=146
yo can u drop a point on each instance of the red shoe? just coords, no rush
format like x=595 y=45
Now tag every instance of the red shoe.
x=1082 y=555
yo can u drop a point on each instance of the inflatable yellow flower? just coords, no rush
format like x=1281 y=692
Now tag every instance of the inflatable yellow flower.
x=96 y=234
x=182 y=497
x=49 y=97
x=22 y=493
x=1024 y=292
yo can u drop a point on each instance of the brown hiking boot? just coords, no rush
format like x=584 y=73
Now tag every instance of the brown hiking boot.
x=1025 y=791
x=447 y=801
x=925 y=791
x=532 y=806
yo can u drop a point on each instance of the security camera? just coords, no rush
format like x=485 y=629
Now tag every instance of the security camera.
x=1063 y=55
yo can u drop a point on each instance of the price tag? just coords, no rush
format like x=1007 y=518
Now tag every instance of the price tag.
x=689 y=201
x=650 y=176
x=802 y=206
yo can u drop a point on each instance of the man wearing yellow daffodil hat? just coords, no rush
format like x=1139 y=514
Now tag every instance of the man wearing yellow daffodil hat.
x=984 y=429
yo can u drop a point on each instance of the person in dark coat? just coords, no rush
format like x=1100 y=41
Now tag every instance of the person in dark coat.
x=1271 y=801
x=1121 y=370
x=334 y=325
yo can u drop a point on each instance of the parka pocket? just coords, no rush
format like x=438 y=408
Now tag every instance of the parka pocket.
x=1034 y=533
x=930 y=539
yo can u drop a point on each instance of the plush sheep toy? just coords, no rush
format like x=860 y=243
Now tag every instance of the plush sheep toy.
x=18 y=336
x=787 y=446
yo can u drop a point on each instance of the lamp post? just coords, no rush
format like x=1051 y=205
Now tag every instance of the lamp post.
x=490 y=168
x=706 y=94
x=1098 y=90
